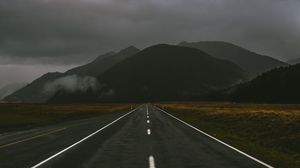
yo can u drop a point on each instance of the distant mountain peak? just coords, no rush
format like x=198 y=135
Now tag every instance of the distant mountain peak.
x=250 y=61
x=211 y=42
x=182 y=43
x=35 y=91
x=100 y=57
x=130 y=49
x=163 y=47
x=180 y=73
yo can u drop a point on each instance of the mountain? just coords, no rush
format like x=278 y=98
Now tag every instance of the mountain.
x=103 y=63
x=160 y=73
x=10 y=88
x=251 y=62
x=280 y=85
x=294 y=61
x=35 y=91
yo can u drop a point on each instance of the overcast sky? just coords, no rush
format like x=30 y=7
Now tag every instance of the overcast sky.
x=37 y=36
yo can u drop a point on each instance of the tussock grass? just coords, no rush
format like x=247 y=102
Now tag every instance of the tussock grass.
x=267 y=131
x=20 y=116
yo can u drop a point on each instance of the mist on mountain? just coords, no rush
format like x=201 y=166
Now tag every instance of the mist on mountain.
x=10 y=88
x=160 y=73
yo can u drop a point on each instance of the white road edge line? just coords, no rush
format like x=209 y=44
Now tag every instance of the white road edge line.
x=148 y=121
x=148 y=131
x=151 y=162
x=73 y=145
x=212 y=137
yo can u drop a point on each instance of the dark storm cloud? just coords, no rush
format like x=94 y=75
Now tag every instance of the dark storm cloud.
x=72 y=31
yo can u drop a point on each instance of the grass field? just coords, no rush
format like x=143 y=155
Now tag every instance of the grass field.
x=269 y=132
x=21 y=116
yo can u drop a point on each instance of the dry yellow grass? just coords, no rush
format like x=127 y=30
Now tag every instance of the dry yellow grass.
x=24 y=115
x=271 y=132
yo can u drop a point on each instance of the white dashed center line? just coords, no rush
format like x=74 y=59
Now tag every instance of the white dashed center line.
x=151 y=158
x=151 y=162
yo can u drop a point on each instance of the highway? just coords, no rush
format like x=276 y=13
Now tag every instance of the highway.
x=146 y=137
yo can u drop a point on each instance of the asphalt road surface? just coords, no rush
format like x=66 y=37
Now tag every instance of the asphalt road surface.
x=146 y=137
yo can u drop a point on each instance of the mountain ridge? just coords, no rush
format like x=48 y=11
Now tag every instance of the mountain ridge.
x=160 y=73
x=34 y=92
x=280 y=85
x=253 y=63
x=10 y=88
x=183 y=72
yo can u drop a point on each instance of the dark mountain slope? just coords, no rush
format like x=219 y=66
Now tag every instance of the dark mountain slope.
x=280 y=85
x=10 y=88
x=161 y=72
x=251 y=62
x=35 y=91
x=103 y=63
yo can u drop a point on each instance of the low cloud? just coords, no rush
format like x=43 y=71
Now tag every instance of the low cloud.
x=12 y=73
x=72 y=83
x=108 y=93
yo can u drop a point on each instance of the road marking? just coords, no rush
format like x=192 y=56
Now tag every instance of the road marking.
x=148 y=121
x=147 y=108
x=148 y=131
x=83 y=139
x=31 y=138
x=214 y=138
x=151 y=162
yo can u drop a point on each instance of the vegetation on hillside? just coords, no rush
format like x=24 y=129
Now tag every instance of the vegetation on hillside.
x=280 y=85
